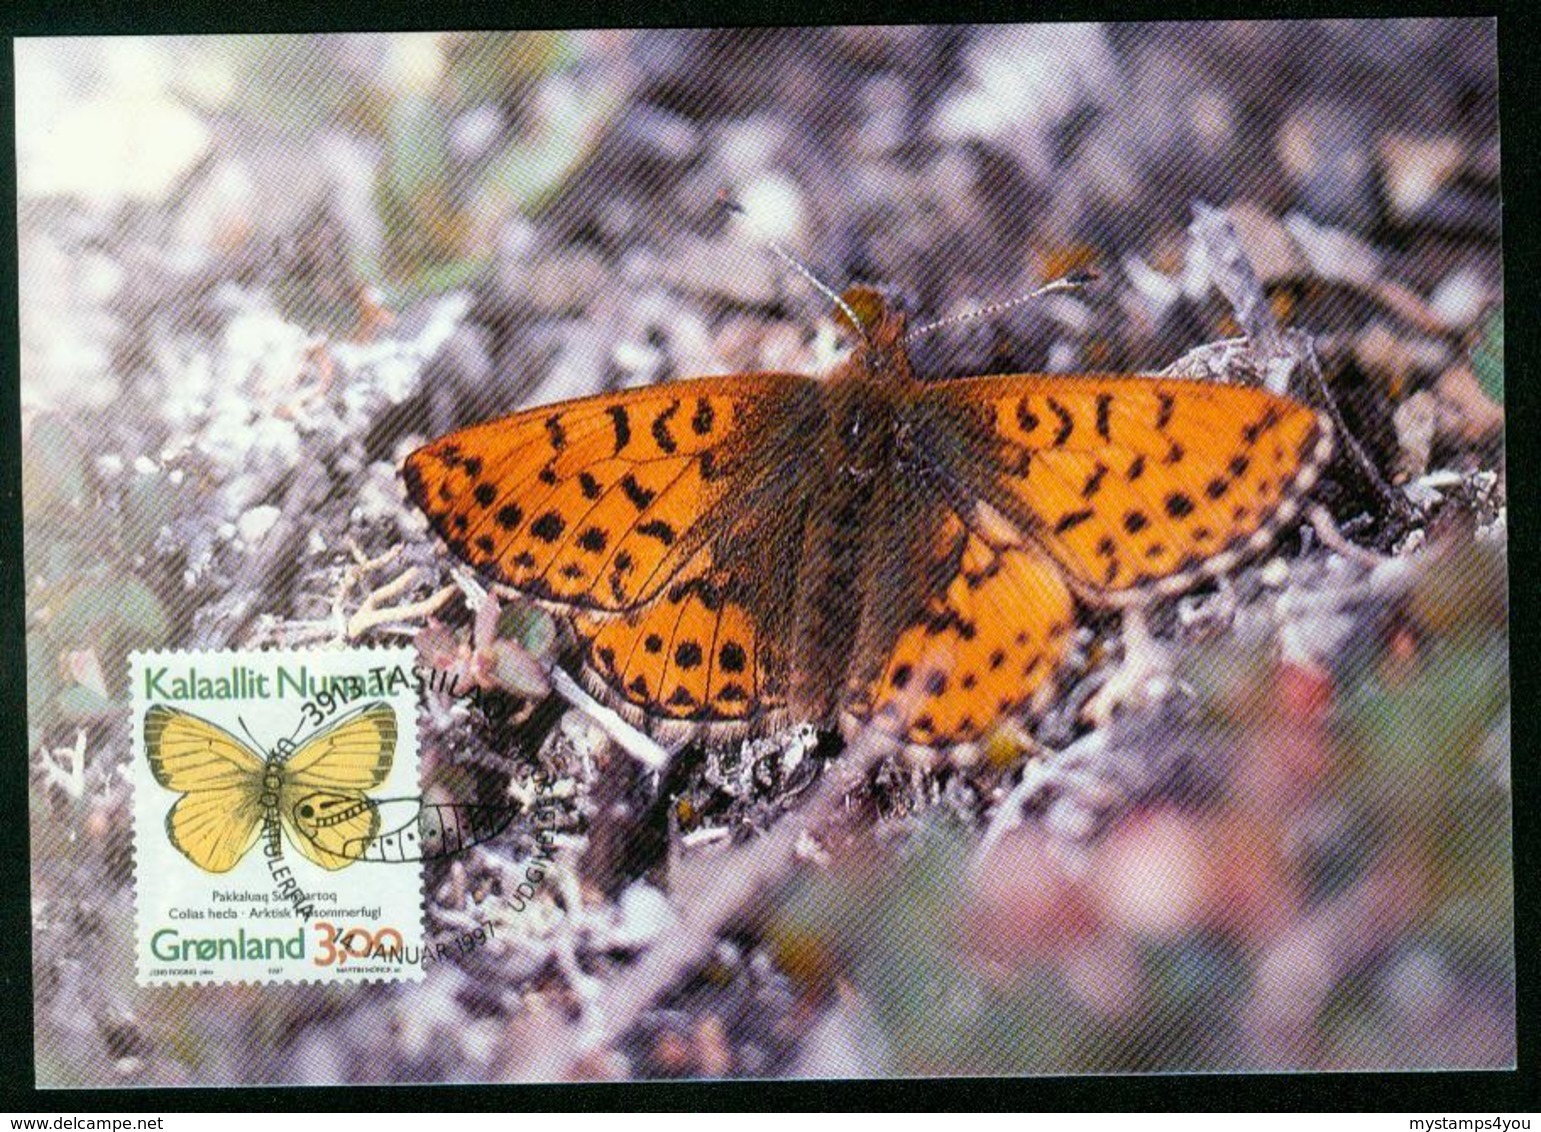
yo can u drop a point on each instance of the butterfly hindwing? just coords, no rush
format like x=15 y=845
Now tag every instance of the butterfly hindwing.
x=980 y=649
x=1137 y=484
x=694 y=654
x=595 y=503
x=219 y=817
x=215 y=828
x=337 y=837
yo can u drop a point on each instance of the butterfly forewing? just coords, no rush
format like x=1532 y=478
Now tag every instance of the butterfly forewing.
x=189 y=753
x=219 y=817
x=352 y=753
x=1134 y=484
x=599 y=503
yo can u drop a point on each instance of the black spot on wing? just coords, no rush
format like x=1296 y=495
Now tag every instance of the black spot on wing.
x=1071 y=520
x=1027 y=420
x=555 y=431
x=1066 y=423
x=620 y=422
x=549 y=527
x=1256 y=429
x=412 y=475
x=1093 y=482
x=661 y=434
x=659 y=530
x=641 y=498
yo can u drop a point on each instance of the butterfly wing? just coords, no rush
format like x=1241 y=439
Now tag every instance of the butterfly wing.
x=340 y=762
x=981 y=647
x=693 y=659
x=333 y=829
x=599 y=503
x=1104 y=486
x=220 y=777
x=1132 y=485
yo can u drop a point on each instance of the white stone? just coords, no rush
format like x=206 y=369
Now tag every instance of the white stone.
x=256 y=523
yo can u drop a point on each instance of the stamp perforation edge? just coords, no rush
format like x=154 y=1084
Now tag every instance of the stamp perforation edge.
x=151 y=804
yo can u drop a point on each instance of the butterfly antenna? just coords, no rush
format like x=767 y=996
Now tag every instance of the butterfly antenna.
x=791 y=261
x=1068 y=283
x=256 y=745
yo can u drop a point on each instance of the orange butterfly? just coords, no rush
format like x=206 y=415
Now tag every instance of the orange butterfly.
x=746 y=551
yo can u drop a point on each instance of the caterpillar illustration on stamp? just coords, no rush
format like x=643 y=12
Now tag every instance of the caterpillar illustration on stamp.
x=347 y=826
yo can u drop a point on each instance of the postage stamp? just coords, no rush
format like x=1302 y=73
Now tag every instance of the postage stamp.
x=259 y=837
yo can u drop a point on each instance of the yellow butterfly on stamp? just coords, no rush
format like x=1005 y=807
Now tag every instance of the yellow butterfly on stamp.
x=228 y=789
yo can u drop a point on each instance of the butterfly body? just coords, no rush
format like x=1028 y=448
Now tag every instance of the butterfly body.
x=868 y=550
x=229 y=790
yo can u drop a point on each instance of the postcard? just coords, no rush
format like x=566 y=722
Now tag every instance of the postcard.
x=870 y=551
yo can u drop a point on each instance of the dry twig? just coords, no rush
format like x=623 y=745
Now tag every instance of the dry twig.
x=712 y=890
